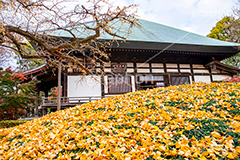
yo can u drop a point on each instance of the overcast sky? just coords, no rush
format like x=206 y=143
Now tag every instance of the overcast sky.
x=198 y=16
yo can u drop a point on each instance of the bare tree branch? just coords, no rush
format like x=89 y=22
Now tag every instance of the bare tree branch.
x=39 y=23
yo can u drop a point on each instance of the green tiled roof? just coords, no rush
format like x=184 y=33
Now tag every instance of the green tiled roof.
x=157 y=33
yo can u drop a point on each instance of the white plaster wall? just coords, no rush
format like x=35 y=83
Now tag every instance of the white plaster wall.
x=184 y=65
x=111 y=95
x=185 y=70
x=98 y=70
x=220 y=77
x=158 y=70
x=157 y=65
x=105 y=84
x=133 y=83
x=172 y=65
x=198 y=66
x=142 y=64
x=107 y=64
x=79 y=86
x=143 y=70
x=107 y=70
x=130 y=70
x=129 y=64
x=205 y=79
x=172 y=70
x=200 y=71
x=190 y=78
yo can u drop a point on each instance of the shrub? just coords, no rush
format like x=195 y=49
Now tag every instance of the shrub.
x=11 y=123
x=234 y=79
x=15 y=96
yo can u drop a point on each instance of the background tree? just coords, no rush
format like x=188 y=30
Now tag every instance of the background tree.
x=228 y=29
x=23 y=65
x=24 y=21
x=27 y=64
x=15 y=97
x=5 y=58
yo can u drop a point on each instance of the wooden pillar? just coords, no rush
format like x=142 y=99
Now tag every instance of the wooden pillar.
x=165 y=65
x=59 y=86
x=102 y=86
x=191 y=67
x=102 y=80
x=135 y=74
x=166 y=75
x=210 y=72
x=44 y=112
x=46 y=93
x=178 y=66
x=36 y=104
x=150 y=67
x=64 y=84
x=64 y=87
x=44 y=100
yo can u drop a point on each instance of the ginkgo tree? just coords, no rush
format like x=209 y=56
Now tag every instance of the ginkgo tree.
x=32 y=21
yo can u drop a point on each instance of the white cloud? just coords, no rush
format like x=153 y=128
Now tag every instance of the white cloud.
x=197 y=16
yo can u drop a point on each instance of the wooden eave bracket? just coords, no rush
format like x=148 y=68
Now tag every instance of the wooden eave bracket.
x=218 y=65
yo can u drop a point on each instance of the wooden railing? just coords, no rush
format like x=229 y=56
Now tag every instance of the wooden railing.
x=69 y=100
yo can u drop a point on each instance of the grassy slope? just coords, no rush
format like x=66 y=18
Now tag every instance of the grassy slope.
x=196 y=121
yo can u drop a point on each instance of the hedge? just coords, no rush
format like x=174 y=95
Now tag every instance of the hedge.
x=11 y=123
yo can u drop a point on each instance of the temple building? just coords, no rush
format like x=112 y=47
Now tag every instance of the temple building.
x=154 y=55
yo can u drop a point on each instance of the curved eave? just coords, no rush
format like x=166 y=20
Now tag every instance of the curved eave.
x=231 y=50
x=145 y=45
x=29 y=74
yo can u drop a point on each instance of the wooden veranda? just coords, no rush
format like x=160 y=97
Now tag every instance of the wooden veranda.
x=66 y=102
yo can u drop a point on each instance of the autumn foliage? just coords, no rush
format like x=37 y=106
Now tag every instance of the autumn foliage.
x=194 y=121
x=15 y=97
x=234 y=79
x=54 y=92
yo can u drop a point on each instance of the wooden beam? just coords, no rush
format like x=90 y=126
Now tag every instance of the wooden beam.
x=59 y=87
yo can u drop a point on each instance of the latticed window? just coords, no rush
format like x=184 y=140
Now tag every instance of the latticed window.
x=150 y=81
x=178 y=80
x=119 y=84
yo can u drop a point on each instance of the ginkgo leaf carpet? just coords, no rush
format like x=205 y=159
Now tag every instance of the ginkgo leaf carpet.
x=195 y=121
